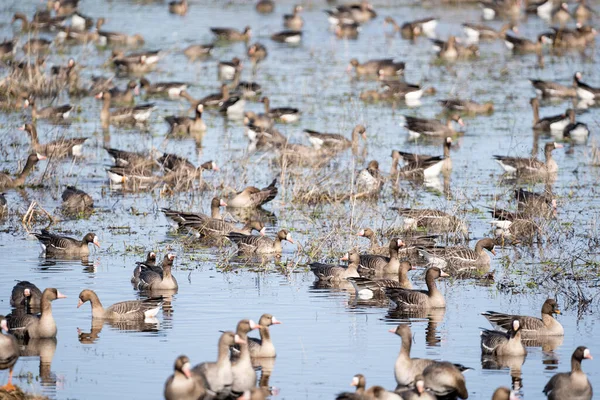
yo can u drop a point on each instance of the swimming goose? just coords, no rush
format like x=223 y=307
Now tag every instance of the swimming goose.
x=178 y=7
x=421 y=165
x=36 y=45
x=260 y=244
x=232 y=35
x=369 y=180
x=420 y=299
x=397 y=90
x=74 y=199
x=122 y=311
x=337 y=273
x=522 y=45
x=185 y=124
x=181 y=217
x=56 y=245
x=60 y=112
x=294 y=21
x=260 y=121
x=184 y=384
x=531 y=327
x=536 y=204
x=431 y=219
x=288 y=36
x=254 y=197
x=451 y=50
x=265 y=6
x=116 y=38
x=552 y=89
x=37 y=23
x=461 y=258
x=585 y=91
x=531 y=166
x=198 y=51
x=34 y=326
x=476 y=32
x=228 y=69
x=284 y=114
x=171 y=89
x=367 y=288
x=126 y=96
x=349 y=13
x=467 y=106
x=9 y=353
x=123 y=158
x=573 y=385
x=578 y=131
x=152 y=280
x=218 y=375
x=26 y=295
x=504 y=393
x=513 y=225
x=263 y=347
x=150 y=263
x=412 y=29
x=500 y=343
x=381 y=264
x=6 y=181
x=553 y=123
x=335 y=140
x=360 y=383
x=244 y=376
x=217 y=227
x=347 y=31
x=59 y=148
x=134 y=65
x=123 y=115
x=431 y=127
x=257 y=53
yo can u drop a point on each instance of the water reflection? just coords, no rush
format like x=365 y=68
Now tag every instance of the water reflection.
x=513 y=363
x=147 y=325
x=44 y=349
x=434 y=318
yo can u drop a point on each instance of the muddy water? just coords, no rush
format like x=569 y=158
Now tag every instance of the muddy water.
x=326 y=337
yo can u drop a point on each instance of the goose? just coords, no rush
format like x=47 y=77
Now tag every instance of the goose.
x=349 y=13
x=467 y=106
x=573 y=385
x=583 y=12
x=25 y=295
x=36 y=45
x=373 y=67
x=215 y=99
x=59 y=148
x=500 y=343
x=150 y=57
x=125 y=96
x=125 y=115
x=232 y=106
x=369 y=180
x=122 y=311
x=418 y=127
x=244 y=376
x=116 y=38
x=451 y=50
x=504 y=393
x=420 y=299
x=180 y=217
x=137 y=177
x=522 y=46
x=37 y=23
x=65 y=7
x=421 y=165
x=543 y=8
x=585 y=91
x=198 y=51
x=337 y=273
x=178 y=7
x=260 y=137
x=555 y=123
x=184 y=384
x=217 y=227
x=401 y=90
x=9 y=353
x=284 y=114
x=8 y=48
x=56 y=245
x=537 y=204
x=531 y=166
x=445 y=380
x=347 y=31
x=263 y=347
x=288 y=37
x=419 y=392
x=359 y=381
x=265 y=6
x=150 y=263
x=232 y=35
x=260 y=121
x=476 y=32
x=171 y=89
x=260 y=244
x=461 y=258
x=76 y=200
x=578 y=131
x=152 y=280
x=185 y=124
x=6 y=181
x=393 y=70
x=33 y=326
x=181 y=168
x=513 y=225
x=254 y=197
x=531 y=327
x=60 y=112
x=228 y=69
x=335 y=140
x=552 y=89
x=431 y=219
x=561 y=14
x=294 y=21
x=367 y=288
x=379 y=392
x=218 y=375
x=257 y=53
x=123 y=158
x=412 y=29
x=409 y=242
x=381 y=264
x=134 y=65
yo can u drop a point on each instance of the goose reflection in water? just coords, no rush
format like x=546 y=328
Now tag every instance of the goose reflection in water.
x=433 y=316
x=148 y=325
x=44 y=349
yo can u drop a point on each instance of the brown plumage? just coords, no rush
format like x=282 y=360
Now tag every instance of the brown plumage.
x=74 y=199
x=33 y=326
x=6 y=181
x=254 y=197
x=410 y=299
x=260 y=244
x=153 y=280
x=573 y=385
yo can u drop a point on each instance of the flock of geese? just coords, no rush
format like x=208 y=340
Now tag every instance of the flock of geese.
x=232 y=374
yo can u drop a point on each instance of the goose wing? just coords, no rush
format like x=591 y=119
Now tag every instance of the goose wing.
x=504 y=322
x=407 y=297
x=490 y=340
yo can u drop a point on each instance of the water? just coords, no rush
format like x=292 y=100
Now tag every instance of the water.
x=325 y=338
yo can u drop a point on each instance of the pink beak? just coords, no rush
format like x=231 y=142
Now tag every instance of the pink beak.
x=60 y=296
x=79 y=303
x=275 y=321
x=223 y=204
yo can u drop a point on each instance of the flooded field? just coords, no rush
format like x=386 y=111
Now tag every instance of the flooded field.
x=327 y=335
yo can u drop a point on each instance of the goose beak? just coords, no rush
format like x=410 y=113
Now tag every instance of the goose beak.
x=493 y=251
x=361 y=233
x=275 y=321
x=186 y=370
x=239 y=340
x=263 y=231
x=214 y=167
x=21 y=128
x=79 y=303
x=442 y=273
x=60 y=295
x=4 y=325
x=556 y=311
x=393 y=330
x=222 y=203
x=96 y=241
x=40 y=156
x=354 y=382
x=345 y=257
x=99 y=95
x=461 y=122
x=253 y=325
x=289 y=238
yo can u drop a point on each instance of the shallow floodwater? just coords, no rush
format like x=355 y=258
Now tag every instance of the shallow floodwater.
x=326 y=337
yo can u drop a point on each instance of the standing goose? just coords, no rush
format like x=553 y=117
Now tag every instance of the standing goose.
x=171 y=89
x=185 y=124
x=531 y=166
x=381 y=264
x=218 y=375
x=150 y=263
x=152 y=280
x=369 y=180
x=335 y=140
x=573 y=385
x=60 y=112
x=180 y=217
x=123 y=115
x=431 y=127
x=260 y=244
x=26 y=295
x=263 y=347
x=294 y=21
x=467 y=106
x=421 y=165
x=244 y=376
x=184 y=384
x=7 y=181
x=232 y=35
x=56 y=245
x=254 y=197
x=578 y=131
x=359 y=381
x=337 y=273
x=74 y=199
x=531 y=327
x=122 y=311
x=284 y=114
x=59 y=148
x=33 y=326
x=554 y=123
x=411 y=299
x=552 y=89
x=368 y=288
x=461 y=258
x=9 y=353
x=499 y=343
